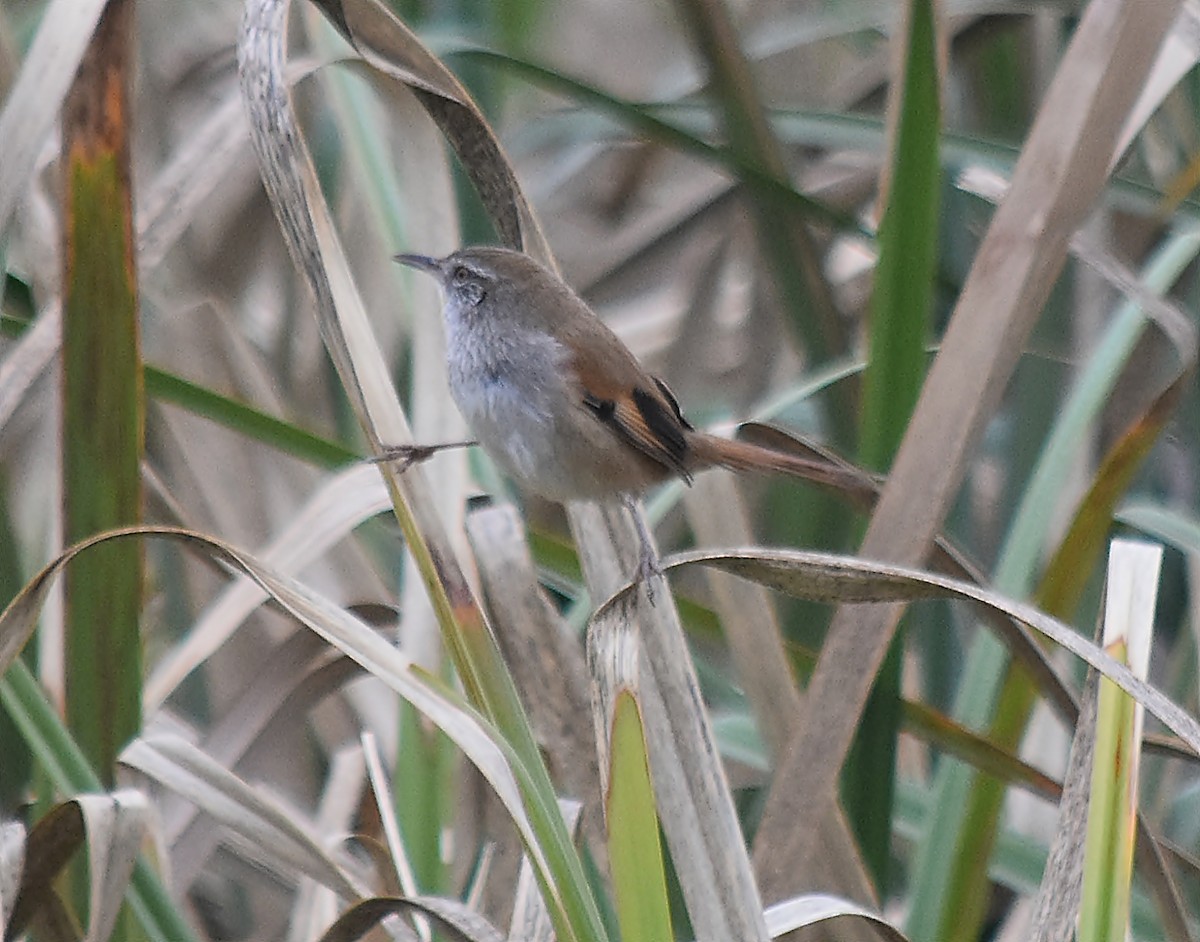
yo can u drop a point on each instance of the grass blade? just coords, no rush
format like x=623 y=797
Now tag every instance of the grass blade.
x=102 y=398
x=1133 y=570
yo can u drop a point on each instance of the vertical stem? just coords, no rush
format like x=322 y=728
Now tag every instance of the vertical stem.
x=102 y=397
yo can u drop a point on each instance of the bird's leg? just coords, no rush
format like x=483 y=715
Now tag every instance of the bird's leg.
x=648 y=565
x=407 y=455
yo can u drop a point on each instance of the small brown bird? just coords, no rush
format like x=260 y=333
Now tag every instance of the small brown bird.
x=560 y=402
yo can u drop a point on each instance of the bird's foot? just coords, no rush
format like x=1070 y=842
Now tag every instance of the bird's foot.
x=648 y=568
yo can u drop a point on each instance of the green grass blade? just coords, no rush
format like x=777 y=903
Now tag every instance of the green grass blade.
x=102 y=399
x=635 y=851
x=164 y=386
x=247 y=420
x=901 y=314
x=1133 y=571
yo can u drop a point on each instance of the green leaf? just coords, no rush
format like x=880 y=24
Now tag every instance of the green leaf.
x=635 y=851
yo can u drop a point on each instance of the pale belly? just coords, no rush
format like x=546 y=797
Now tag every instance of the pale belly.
x=536 y=427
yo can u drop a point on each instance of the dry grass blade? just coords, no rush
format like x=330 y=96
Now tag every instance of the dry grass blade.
x=112 y=826
x=613 y=659
x=116 y=825
x=813 y=909
x=399 y=868
x=389 y=46
x=1179 y=55
x=830 y=578
x=453 y=919
x=1057 y=905
x=273 y=830
x=340 y=505
x=1058 y=176
x=35 y=100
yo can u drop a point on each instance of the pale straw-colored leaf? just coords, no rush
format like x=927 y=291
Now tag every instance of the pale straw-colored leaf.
x=1179 y=54
x=35 y=99
x=116 y=824
x=814 y=909
x=386 y=806
x=259 y=819
x=830 y=578
x=694 y=802
x=315 y=905
x=1057 y=901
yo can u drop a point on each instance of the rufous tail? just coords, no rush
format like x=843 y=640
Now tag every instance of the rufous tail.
x=710 y=451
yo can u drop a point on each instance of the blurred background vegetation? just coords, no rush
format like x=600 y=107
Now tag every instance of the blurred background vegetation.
x=778 y=207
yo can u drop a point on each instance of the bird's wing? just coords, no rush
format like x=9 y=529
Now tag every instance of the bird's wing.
x=639 y=407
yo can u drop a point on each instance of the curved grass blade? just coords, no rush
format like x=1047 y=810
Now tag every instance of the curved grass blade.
x=825 y=577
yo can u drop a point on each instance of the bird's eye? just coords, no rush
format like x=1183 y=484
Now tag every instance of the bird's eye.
x=462 y=275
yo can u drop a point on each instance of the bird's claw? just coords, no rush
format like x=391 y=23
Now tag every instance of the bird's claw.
x=405 y=456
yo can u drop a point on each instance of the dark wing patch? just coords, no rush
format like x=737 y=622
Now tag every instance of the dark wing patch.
x=655 y=428
x=663 y=422
x=672 y=401
x=604 y=408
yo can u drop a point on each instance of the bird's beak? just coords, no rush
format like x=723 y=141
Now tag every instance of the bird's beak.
x=423 y=262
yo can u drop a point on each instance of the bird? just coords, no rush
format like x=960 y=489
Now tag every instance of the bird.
x=559 y=401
